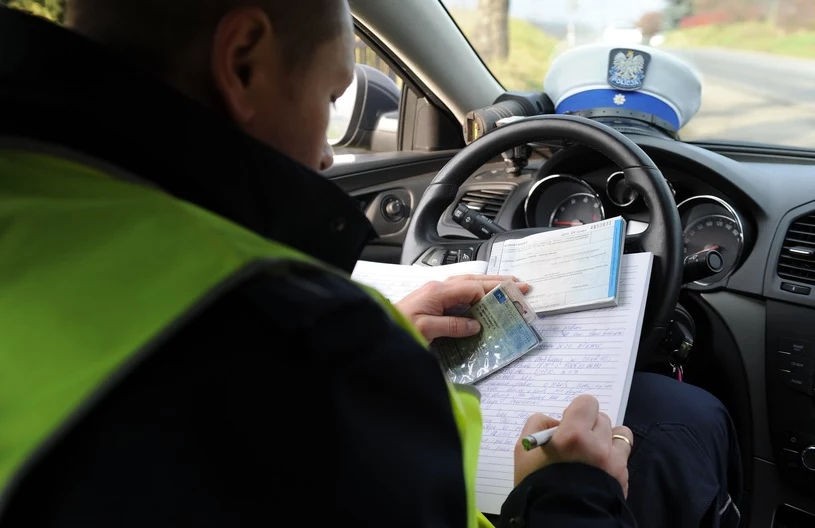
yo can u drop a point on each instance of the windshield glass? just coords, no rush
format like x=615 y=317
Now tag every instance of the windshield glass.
x=756 y=58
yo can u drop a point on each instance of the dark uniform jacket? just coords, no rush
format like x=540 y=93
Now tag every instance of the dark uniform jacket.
x=287 y=402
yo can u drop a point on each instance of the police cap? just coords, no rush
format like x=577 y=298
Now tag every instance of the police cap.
x=639 y=82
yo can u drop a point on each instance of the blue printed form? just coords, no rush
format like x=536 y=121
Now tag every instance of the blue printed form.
x=569 y=270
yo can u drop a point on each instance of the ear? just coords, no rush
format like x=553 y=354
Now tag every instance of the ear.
x=241 y=53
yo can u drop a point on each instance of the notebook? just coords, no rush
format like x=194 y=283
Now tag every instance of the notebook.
x=582 y=352
x=590 y=352
x=395 y=281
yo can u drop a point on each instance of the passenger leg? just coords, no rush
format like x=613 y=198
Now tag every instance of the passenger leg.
x=685 y=467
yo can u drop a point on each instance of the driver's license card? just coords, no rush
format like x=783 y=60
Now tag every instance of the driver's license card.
x=505 y=335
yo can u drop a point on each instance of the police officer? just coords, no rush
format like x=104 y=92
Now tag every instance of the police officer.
x=182 y=345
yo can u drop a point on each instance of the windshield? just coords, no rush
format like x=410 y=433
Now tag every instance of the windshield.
x=756 y=57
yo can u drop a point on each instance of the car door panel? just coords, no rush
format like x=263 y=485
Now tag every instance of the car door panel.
x=377 y=179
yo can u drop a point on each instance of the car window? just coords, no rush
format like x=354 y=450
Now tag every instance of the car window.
x=756 y=58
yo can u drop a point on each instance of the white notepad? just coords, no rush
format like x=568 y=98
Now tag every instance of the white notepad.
x=590 y=352
x=395 y=281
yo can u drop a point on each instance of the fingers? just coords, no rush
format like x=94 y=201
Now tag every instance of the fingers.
x=499 y=278
x=527 y=462
x=582 y=412
x=430 y=308
x=459 y=292
x=602 y=427
x=434 y=326
x=491 y=281
x=622 y=445
x=538 y=422
x=622 y=449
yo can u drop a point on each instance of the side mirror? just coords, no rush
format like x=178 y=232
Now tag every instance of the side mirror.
x=364 y=117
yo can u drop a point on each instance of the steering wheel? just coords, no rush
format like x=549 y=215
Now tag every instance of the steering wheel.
x=663 y=237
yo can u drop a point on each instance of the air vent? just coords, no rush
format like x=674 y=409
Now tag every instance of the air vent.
x=797 y=259
x=486 y=201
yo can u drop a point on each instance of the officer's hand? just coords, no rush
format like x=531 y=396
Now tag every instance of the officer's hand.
x=426 y=306
x=583 y=435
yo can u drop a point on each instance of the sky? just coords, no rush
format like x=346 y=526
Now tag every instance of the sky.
x=599 y=13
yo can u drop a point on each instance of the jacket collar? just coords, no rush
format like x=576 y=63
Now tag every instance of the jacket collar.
x=60 y=88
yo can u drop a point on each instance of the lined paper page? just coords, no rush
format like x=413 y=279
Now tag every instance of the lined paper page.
x=395 y=281
x=585 y=352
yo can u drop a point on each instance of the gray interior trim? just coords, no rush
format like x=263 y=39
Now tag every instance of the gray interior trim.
x=749 y=316
x=415 y=31
x=771 y=494
x=772 y=281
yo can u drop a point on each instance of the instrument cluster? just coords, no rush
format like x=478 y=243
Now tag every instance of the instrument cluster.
x=708 y=223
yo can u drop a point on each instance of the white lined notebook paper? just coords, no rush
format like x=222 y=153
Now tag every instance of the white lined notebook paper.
x=395 y=281
x=584 y=352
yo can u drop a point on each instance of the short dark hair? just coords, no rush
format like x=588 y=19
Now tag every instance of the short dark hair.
x=168 y=36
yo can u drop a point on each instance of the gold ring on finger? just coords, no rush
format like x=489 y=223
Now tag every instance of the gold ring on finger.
x=623 y=438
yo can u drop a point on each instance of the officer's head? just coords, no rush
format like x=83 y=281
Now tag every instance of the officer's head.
x=272 y=66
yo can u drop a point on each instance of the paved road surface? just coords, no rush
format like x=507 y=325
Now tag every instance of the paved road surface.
x=753 y=97
x=787 y=79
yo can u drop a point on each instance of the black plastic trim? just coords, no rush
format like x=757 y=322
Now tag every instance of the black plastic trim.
x=408 y=77
x=376 y=169
x=748 y=318
x=772 y=282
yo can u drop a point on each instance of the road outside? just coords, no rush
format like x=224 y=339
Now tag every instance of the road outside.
x=753 y=97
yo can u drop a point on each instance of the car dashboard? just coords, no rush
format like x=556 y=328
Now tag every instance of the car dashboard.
x=755 y=320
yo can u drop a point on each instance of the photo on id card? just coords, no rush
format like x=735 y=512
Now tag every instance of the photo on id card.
x=506 y=335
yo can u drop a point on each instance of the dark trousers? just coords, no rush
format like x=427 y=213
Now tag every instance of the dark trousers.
x=685 y=467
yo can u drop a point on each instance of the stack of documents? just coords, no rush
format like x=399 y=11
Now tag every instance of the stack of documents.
x=582 y=350
x=569 y=269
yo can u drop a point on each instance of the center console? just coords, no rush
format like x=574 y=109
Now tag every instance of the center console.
x=790 y=363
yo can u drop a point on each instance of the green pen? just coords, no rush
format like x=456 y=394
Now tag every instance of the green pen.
x=539 y=439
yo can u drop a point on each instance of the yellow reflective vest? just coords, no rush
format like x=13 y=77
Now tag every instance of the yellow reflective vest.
x=94 y=269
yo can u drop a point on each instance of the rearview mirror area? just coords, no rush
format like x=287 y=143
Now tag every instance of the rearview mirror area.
x=366 y=115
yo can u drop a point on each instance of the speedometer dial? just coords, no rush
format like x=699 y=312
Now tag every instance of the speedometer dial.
x=715 y=232
x=577 y=209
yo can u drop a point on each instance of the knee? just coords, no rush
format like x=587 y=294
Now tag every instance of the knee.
x=655 y=399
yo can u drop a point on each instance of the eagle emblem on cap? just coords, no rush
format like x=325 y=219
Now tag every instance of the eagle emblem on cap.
x=626 y=68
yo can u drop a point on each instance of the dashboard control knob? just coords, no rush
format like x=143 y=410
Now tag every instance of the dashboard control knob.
x=701 y=265
x=808 y=458
x=393 y=208
x=476 y=223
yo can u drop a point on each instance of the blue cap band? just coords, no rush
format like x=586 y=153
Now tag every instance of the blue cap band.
x=604 y=98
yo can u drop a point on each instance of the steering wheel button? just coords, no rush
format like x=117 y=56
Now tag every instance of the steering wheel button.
x=435 y=257
x=460 y=212
x=797 y=364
